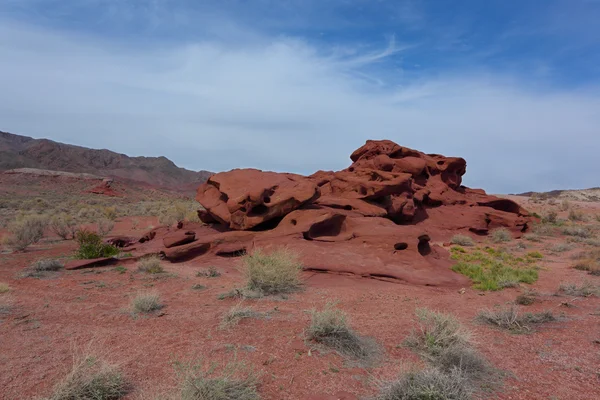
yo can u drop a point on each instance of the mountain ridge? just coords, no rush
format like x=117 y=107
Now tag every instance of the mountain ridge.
x=17 y=151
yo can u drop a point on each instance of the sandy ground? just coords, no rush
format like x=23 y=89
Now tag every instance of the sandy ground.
x=53 y=316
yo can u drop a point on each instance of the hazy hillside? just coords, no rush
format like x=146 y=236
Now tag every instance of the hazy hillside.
x=24 y=152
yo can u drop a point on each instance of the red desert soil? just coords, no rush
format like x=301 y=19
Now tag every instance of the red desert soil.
x=70 y=309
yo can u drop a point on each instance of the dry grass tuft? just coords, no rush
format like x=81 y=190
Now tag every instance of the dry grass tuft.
x=146 y=302
x=437 y=331
x=330 y=328
x=586 y=289
x=428 y=384
x=91 y=379
x=510 y=319
x=501 y=235
x=150 y=265
x=236 y=314
x=462 y=240
x=231 y=384
x=41 y=268
x=276 y=272
x=4 y=288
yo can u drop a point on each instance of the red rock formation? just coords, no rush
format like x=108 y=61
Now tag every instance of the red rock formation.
x=381 y=217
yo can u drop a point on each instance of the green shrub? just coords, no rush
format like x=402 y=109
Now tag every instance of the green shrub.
x=91 y=246
x=150 y=265
x=25 y=231
x=462 y=240
x=501 y=235
x=277 y=272
x=91 y=379
x=330 y=328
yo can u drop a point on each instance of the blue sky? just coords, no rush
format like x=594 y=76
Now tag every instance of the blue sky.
x=292 y=85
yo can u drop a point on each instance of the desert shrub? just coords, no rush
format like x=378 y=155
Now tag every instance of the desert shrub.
x=462 y=240
x=4 y=288
x=91 y=246
x=236 y=314
x=104 y=226
x=501 y=235
x=88 y=214
x=110 y=213
x=63 y=226
x=535 y=254
x=525 y=299
x=179 y=211
x=47 y=264
x=150 y=265
x=146 y=302
x=550 y=217
x=91 y=379
x=583 y=290
x=510 y=319
x=578 y=231
x=561 y=247
x=437 y=332
x=575 y=215
x=198 y=286
x=210 y=272
x=25 y=231
x=544 y=229
x=276 y=272
x=491 y=269
x=532 y=237
x=565 y=205
x=590 y=265
x=231 y=384
x=428 y=384
x=329 y=327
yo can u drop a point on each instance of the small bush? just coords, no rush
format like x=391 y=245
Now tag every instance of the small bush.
x=63 y=226
x=91 y=246
x=198 y=286
x=578 y=231
x=330 y=328
x=236 y=314
x=535 y=254
x=428 y=384
x=437 y=331
x=561 y=247
x=501 y=235
x=197 y=384
x=590 y=265
x=532 y=237
x=104 y=226
x=120 y=269
x=146 y=302
x=510 y=319
x=91 y=379
x=586 y=289
x=211 y=272
x=544 y=230
x=150 y=265
x=575 y=215
x=565 y=205
x=525 y=299
x=25 y=231
x=462 y=240
x=45 y=265
x=277 y=272
x=550 y=217
x=4 y=288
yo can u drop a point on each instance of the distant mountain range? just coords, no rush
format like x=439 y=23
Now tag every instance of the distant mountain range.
x=24 y=152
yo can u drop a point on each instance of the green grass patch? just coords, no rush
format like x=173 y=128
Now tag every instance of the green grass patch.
x=492 y=269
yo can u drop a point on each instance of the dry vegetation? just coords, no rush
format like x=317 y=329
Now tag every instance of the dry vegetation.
x=272 y=273
x=146 y=302
x=510 y=319
x=150 y=265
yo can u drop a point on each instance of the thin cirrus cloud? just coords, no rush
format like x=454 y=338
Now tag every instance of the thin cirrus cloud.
x=286 y=102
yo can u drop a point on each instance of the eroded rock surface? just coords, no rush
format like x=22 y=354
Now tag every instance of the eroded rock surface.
x=382 y=217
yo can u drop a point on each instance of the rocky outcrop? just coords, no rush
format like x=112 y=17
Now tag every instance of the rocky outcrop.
x=382 y=217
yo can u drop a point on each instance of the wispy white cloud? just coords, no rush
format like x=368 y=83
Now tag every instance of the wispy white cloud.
x=283 y=104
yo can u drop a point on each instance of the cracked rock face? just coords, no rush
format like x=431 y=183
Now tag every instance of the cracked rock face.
x=381 y=217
